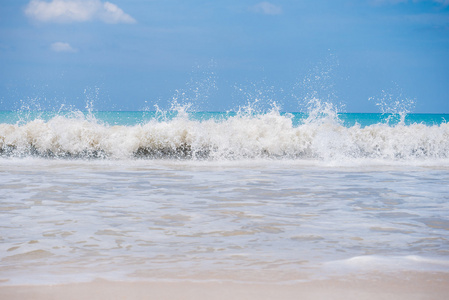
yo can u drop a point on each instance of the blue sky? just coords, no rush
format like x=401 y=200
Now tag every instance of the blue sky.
x=218 y=55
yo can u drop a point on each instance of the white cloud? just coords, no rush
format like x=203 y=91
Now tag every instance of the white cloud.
x=266 y=8
x=111 y=13
x=62 y=47
x=67 y=11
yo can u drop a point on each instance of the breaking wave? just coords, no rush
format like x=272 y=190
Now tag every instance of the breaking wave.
x=271 y=135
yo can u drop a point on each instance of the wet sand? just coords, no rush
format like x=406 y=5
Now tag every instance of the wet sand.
x=408 y=286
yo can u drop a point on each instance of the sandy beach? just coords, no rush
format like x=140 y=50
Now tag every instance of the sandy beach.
x=409 y=286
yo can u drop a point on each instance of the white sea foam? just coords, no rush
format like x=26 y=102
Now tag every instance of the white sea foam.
x=369 y=263
x=269 y=135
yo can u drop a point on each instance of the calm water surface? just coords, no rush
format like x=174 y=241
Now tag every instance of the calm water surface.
x=246 y=220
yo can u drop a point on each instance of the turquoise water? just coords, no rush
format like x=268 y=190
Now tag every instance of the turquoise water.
x=130 y=118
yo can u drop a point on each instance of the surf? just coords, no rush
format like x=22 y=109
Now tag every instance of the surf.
x=322 y=134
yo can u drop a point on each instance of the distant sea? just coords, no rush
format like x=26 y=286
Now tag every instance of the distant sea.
x=242 y=196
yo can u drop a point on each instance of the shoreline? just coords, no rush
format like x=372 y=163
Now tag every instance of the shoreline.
x=409 y=286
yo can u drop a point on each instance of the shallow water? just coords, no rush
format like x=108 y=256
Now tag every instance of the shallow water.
x=245 y=220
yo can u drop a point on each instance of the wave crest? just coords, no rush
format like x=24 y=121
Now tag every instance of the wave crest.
x=268 y=135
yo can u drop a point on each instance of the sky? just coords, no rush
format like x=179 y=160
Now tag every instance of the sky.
x=360 y=55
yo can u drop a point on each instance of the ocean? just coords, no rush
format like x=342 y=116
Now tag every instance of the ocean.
x=239 y=196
